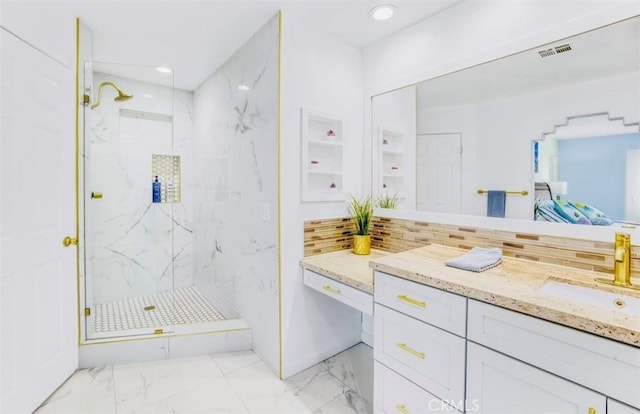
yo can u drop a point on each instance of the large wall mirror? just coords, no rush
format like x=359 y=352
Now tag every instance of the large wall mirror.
x=548 y=126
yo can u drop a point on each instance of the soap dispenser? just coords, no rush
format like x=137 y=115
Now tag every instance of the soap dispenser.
x=156 y=186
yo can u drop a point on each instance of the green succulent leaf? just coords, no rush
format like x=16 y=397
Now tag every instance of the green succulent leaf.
x=362 y=211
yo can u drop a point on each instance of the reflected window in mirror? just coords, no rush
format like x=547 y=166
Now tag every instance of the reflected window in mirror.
x=595 y=160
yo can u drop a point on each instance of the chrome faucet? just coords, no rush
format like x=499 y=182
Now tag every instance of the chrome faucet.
x=622 y=263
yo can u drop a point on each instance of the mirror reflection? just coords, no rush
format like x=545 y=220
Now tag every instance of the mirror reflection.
x=551 y=134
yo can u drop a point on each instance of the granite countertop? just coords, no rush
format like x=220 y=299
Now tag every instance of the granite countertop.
x=513 y=285
x=346 y=267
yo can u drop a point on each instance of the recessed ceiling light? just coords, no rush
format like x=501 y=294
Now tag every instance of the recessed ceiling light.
x=163 y=69
x=243 y=87
x=382 y=12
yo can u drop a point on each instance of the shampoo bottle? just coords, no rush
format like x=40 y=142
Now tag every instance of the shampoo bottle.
x=156 y=191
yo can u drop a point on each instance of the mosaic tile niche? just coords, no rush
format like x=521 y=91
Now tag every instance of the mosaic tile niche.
x=167 y=169
x=397 y=235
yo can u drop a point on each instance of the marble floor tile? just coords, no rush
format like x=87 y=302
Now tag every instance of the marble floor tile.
x=348 y=403
x=214 y=396
x=262 y=392
x=232 y=361
x=87 y=391
x=237 y=382
x=354 y=367
x=140 y=385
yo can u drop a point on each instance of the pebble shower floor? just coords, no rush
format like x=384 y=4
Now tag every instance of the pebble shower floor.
x=181 y=306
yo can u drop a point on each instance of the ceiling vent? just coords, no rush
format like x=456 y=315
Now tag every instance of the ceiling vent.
x=555 y=50
x=563 y=48
x=547 y=52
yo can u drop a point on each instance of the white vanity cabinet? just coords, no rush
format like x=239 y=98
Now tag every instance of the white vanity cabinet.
x=355 y=298
x=419 y=356
x=437 y=351
x=605 y=366
x=616 y=407
x=498 y=384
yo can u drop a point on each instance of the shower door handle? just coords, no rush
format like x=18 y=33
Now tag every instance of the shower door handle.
x=96 y=194
x=68 y=241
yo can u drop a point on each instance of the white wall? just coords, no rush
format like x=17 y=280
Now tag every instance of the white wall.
x=324 y=74
x=476 y=31
x=236 y=157
x=473 y=32
x=45 y=25
x=498 y=136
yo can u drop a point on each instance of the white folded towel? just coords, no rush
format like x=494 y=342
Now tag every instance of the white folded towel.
x=477 y=259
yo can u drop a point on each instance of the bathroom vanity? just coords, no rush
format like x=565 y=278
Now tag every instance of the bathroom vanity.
x=522 y=337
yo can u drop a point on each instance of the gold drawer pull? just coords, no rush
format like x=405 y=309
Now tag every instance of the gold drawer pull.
x=412 y=301
x=96 y=194
x=330 y=289
x=410 y=350
x=592 y=410
x=402 y=408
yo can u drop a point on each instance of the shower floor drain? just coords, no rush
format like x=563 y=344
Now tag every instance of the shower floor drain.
x=181 y=306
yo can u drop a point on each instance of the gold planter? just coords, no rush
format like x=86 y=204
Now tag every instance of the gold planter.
x=361 y=244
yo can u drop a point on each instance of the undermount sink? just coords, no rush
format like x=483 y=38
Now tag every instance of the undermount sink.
x=600 y=298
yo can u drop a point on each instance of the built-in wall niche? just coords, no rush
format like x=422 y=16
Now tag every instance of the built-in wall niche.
x=391 y=154
x=322 y=157
x=167 y=170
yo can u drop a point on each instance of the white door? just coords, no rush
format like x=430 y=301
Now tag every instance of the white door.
x=438 y=161
x=632 y=192
x=498 y=384
x=38 y=302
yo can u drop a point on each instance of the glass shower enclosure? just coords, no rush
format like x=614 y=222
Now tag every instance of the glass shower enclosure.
x=131 y=186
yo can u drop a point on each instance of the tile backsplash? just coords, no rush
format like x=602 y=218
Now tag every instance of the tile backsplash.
x=396 y=235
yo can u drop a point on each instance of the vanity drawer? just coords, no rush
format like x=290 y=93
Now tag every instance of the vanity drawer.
x=430 y=357
x=604 y=365
x=437 y=307
x=393 y=394
x=353 y=297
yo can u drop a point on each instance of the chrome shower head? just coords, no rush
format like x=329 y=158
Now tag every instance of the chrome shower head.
x=120 y=98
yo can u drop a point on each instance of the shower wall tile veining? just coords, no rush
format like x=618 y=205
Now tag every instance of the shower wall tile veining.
x=236 y=159
x=136 y=247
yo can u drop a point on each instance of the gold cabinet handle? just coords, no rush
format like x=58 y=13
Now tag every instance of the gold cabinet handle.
x=68 y=241
x=402 y=408
x=96 y=194
x=592 y=410
x=410 y=350
x=412 y=301
x=332 y=290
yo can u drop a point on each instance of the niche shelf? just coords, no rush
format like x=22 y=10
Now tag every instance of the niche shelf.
x=322 y=157
x=167 y=169
x=391 y=159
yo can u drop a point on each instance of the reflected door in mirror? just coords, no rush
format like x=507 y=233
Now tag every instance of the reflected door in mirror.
x=438 y=172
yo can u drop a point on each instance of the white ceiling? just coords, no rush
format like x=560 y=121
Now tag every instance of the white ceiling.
x=195 y=37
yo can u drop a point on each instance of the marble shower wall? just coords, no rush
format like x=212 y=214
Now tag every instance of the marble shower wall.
x=236 y=156
x=136 y=247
